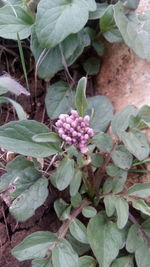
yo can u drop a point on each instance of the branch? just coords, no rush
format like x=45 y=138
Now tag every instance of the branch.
x=65 y=226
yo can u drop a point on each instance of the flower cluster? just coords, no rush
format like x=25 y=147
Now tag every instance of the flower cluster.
x=75 y=130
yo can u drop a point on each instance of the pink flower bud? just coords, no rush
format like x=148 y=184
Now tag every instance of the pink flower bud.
x=69 y=120
x=64 y=136
x=73 y=140
x=67 y=126
x=74 y=124
x=71 y=130
x=83 y=124
x=58 y=123
x=74 y=112
x=86 y=118
x=62 y=117
x=60 y=131
x=79 y=135
x=68 y=139
x=86 y=136
x=80 y=119
x=84 y=150
x=90 y=132
x=74 y=134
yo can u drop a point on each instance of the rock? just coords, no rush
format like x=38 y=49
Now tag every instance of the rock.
x=124 y=77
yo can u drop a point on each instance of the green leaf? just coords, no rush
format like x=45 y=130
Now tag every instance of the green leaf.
x=17 y=137
x=102 y=112
x=59 y=100
x=131 y=4
x=15 y=20
x=120 y=177
x=107 y=186
x=126 y=261
x=47 y=137
x=89 y=212
x=113 y=36
x=64 y=255
x=92 y=66
x=46 y=262
x=100 y=10
x=56 y=16
x=61 y=208
x=21 y=174
x=34 y=246
x=134 y=240
x=51 y=59
x=103 y=142
x=109 y=202
x=120 y=121
x=133 y=32
x=63 y=175
x=19 y=110
x=137 y=143
x=21 y=207
x=87 y=261
x=142 y=206
x=78 y=247
x=142 y=256
x=75 y=183
x=99 y=47
x=78 y=231
x=107 y=21
x=76 y=200
x=144 y=114
x=97 y=160
x=7 y=84
x=139 y=190
x=122 y=158
x=80 y=97
x=122 y=209
x=105 y=239
x=146 y=227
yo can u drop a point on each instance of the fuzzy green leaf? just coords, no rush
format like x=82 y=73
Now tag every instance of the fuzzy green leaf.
x=17 y=137
x=87 y=261
x=105 y=239
x=56 y=15
x=122 y=209
x=78 y=231
x=102 y=112
x=126 y=261
x=139 y=190
x=64 y=255
x=80 y=97
x=34 y=246
x=15 y=20
x=59 y=100
x=63 y=175
x=120 y=121
x=122 y=158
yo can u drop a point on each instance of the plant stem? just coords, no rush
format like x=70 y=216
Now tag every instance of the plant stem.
x=99 y=175
x=65 y=226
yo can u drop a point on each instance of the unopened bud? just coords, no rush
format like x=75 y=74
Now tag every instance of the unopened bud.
x=86 y=118
x=84 y=150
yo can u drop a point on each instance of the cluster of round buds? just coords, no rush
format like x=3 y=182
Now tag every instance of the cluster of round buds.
x=75 y=130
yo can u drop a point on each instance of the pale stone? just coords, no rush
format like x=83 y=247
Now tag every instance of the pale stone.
x=124 y=77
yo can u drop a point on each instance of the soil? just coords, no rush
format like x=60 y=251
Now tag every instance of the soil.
x=124 y=78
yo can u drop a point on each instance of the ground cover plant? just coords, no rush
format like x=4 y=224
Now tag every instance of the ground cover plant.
x=92 y=150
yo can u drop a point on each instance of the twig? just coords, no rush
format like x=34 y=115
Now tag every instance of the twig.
x=65 y=226
x=99 y=175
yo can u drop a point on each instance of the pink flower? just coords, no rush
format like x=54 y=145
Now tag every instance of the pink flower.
x=75 y=130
